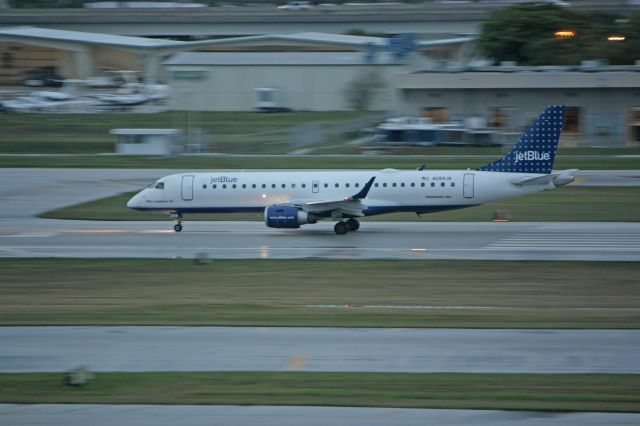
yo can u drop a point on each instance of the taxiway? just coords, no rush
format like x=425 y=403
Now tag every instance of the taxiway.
x=199 y=415
x=137 y=349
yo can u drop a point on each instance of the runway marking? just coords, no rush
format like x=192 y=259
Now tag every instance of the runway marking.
x=568 y=241
x=14 y=250
x=297 y=362
x=30 y=235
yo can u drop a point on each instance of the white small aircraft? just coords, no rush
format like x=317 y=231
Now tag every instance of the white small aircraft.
x=292 y=199
x=133 y=94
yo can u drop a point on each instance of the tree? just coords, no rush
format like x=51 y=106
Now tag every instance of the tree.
x=525 y=33
x=362 y=90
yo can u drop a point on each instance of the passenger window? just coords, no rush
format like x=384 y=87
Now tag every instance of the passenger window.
x=253 y=186
x=234 y=186
x=244 y=186
x=204 y=186
x=413 y=184
x=394 y=184
x=273 y=185
x=357 y=185
x=433 y=184
x=346 y=185
x=337 y=185
x=402 y=185
x=224 y=186
x=214 y=186
x=442 y=184
x=304 y=185
x=384 y=185
x=375 y=184
x=284 y=185
x=453 y=184
x=264 y=185
x=326 y=185
x=160 y=185
x=293 y=185
x=422 y=184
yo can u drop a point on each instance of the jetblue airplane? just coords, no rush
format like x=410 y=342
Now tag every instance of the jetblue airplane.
x=292 y=199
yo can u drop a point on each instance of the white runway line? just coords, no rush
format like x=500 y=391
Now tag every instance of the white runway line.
x=568 y=241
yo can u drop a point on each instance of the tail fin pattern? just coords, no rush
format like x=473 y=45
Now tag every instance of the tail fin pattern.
x=536 y=149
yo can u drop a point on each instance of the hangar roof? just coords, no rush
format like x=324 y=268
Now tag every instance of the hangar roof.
x=47 y=34
x=309 y=37
x=327 y=38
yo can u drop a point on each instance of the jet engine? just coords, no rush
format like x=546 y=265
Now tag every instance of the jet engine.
x=287 y=217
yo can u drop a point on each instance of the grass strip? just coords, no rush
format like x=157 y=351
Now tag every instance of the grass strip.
x=572 y=203
x=89 y=133
x=530 y=392
x=439 y=293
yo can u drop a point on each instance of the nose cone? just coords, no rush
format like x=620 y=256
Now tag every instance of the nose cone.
x=134 y=202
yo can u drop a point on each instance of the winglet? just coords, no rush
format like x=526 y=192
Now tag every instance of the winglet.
x=363 y=193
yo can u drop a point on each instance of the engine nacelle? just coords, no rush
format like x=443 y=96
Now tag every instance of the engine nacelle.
x=287 y=217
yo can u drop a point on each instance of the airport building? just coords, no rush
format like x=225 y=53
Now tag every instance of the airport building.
x=78 y=55
x=316 y=72
x=301 y=81
x=603 y=102
x=306 y=71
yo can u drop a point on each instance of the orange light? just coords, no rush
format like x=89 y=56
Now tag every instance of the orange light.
x=616 y=38
x=564 y=34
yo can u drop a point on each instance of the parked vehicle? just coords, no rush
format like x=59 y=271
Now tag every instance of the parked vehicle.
x=421 y=131
x=296 y=5
x=44 y=76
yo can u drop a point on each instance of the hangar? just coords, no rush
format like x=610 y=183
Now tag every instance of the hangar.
x=307 y=71
x=79 y=55
x=603 y=102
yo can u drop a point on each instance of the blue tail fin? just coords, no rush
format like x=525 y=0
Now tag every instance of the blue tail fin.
x=536 y=149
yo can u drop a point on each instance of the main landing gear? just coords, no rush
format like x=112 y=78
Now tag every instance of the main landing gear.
x=178 y=218
x=343 y=227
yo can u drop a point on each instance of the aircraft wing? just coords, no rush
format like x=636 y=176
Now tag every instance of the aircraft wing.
x=350 y=206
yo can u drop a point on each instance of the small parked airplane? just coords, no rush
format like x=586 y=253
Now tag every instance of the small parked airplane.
x=292 y=199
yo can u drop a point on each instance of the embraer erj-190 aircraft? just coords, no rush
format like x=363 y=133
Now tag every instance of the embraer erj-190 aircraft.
x=291 y=199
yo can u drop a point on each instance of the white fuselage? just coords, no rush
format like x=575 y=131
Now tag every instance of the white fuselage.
x=393 y=190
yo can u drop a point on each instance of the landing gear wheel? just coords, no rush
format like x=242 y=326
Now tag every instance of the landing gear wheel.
x=178 y=218
x=341 y=228
x=353 y=224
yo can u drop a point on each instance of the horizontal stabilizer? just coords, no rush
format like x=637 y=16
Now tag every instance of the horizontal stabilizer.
x=558 y=179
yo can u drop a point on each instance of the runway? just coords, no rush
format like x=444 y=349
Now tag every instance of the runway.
x=375 y=240
x=28 y=192
x=198 y=415
x=137 y=349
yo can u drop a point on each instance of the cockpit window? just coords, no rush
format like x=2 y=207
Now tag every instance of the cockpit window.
x=159 y=185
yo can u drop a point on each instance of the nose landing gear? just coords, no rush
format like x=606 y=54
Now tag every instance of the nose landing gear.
x=178 y=218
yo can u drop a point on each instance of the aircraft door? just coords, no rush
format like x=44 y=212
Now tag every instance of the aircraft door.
x=467 y=187
x=187 y=188
x=315 y=186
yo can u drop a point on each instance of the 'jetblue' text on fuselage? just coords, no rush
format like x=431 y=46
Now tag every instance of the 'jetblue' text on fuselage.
x=224 y=179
